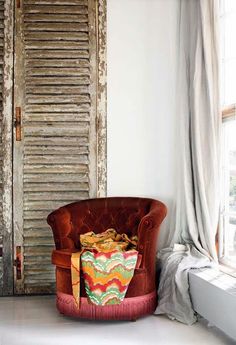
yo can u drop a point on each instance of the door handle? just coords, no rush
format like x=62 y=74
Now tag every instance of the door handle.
x=18 y=123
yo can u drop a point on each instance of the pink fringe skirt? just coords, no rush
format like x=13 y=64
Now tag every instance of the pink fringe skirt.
x=130 y=309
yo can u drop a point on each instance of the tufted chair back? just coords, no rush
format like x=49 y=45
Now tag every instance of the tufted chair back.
x=121 y=213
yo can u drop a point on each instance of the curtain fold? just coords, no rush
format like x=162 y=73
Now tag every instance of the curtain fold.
x=197 y=207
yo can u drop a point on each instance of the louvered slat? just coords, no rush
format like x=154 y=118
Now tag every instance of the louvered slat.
x=58 y=102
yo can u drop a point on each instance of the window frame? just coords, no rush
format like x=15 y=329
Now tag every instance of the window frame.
x=228 y=113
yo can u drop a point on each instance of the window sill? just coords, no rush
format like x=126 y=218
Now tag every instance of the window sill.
x=227 y=269
x=213 y=295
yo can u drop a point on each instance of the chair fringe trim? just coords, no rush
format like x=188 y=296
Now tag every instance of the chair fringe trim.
x=130 y=309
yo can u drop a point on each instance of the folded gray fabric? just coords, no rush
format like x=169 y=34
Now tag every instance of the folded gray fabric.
x=173 y=293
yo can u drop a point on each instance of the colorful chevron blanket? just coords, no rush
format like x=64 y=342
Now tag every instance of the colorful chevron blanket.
x=108 y=261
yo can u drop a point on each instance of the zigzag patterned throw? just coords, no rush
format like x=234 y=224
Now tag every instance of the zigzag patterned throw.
x=107 y=275
x=108 y=261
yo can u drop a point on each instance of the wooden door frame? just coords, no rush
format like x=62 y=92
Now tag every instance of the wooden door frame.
x=101 y=15
x=7 y=124
x=9 y=250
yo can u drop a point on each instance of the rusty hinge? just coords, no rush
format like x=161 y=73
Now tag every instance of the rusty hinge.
x=98 y=123
x=18 y=123
x=18 y=262
x=18 y=4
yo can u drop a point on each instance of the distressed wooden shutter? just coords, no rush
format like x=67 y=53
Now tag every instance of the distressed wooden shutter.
x=6 y=75
x=1 y=142
x=55 y=93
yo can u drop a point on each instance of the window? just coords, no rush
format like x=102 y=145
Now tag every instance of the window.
x=227 y=235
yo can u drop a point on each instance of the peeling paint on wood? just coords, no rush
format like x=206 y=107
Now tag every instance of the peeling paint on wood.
x=18 y=147
x=1 y=159
x=60 y=85
x=7 y=276
x=102 y=97
x=93 y=93
x=56 y=86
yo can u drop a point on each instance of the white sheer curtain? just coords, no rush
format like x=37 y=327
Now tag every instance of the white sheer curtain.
x=197 y=209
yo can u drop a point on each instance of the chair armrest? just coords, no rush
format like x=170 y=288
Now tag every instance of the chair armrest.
x=147 y=234
x=62 y=257
x=60 y=222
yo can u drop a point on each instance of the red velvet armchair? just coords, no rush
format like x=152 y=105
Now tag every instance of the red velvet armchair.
x=134 y=216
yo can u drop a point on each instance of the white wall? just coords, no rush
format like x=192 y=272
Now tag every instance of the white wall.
x=142 y=54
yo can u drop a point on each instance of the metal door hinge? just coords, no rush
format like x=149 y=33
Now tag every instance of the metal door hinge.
x=18 y=262
x=18 y=3
x=18 y=123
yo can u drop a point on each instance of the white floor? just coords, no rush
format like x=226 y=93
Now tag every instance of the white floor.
x=34 y=320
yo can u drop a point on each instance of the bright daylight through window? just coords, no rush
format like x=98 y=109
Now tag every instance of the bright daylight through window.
x=227 y=235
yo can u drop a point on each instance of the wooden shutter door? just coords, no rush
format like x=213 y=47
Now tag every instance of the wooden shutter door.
x=55 y=103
